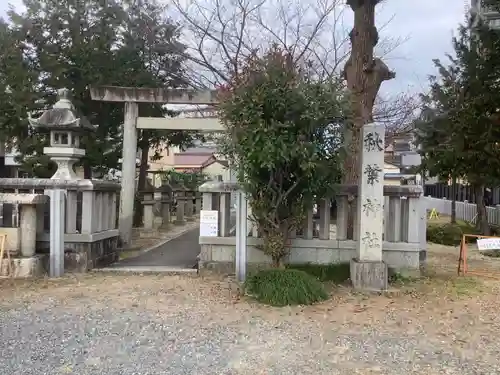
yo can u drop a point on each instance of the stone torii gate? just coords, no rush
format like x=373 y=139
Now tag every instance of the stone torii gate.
x=132 y=96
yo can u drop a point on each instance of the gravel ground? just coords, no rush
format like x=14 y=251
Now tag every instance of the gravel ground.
x=124 y=325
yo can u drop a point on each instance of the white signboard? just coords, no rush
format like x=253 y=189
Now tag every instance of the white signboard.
x=411 y=159
x=209 y=223
x=488 y=244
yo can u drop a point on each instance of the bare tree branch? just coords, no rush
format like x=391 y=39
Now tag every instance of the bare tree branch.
x=222 y=33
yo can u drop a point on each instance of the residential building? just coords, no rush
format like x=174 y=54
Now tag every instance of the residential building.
x=8 y=164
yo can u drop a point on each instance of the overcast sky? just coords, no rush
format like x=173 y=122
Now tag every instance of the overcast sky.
x=428 y=26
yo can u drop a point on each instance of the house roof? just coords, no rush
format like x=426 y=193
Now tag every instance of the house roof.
x=224 y=163
x=191 y=159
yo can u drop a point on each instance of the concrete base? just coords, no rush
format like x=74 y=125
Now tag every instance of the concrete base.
x=25 y=267
x=180 y=222
x=80 y=257
x=369 y=276
x=221 y=251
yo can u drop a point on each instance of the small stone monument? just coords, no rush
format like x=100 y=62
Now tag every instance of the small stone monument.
x=368 y=271
x=166 y=202
x=179 y=191
x=65 y=128
x=148 y=203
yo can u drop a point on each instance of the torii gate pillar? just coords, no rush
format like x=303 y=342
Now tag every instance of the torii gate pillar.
x=131 y=96
x=129 y=159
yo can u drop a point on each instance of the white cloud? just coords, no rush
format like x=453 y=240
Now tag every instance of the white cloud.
x=428 y=24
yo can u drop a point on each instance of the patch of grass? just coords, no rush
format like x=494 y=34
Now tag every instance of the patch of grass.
x=398 y=278
x=464 y=286
x=442 y=284
x=337 y=273
x=283 y=287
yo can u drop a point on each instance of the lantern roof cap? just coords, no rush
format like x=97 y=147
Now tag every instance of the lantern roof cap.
x=62 y=115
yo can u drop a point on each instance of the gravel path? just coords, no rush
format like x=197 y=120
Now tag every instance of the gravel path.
x=124 y=325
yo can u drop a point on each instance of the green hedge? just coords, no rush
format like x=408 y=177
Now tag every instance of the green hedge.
x=448 y=234
x=451 y=234
x=282 y=287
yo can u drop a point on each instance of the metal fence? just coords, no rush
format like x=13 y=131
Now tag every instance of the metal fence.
x=465 y=211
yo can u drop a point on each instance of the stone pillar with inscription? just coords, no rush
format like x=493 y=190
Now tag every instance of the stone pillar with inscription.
x=368 y=271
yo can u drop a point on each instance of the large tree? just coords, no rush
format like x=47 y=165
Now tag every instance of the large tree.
x=70 y=44
x=76 y=43
x=364 y=74
x=462 y=137
x=17 y=87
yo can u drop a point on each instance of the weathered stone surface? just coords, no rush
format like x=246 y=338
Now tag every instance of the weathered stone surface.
x=81 y=257
x=370 y=207
x=153 y=95
x=14 y=198
x=25 y=267
x=62 y=116
x=369 y=275
x=47 y=183
x=218 y=187
x=341 y=190
x=398 y=256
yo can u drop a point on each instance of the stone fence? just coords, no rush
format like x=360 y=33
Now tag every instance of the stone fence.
x=90 y=222
x=174 y=205
x=321 y=239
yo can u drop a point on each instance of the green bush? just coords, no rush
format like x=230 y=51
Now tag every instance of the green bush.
x=449 y=234
x=282 y=287
x=337 y=273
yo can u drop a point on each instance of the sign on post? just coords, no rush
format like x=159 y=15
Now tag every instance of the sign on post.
x=209 y=223
x=484 y=243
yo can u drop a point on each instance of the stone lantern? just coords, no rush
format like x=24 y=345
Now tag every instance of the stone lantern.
x=166 y=202
x=65 y=129
x=179 y=191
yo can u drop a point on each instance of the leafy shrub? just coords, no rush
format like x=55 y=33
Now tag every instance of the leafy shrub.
x=335 y=272
x=449 y=234
x=283 y=139
x=282 y=287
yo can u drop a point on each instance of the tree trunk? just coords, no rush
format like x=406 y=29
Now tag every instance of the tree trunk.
x=454 y=200
x=482 y=216
x=143 y=170
x=364 y=75
x=87 y=171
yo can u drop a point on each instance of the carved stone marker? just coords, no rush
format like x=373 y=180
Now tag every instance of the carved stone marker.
x=368 y=271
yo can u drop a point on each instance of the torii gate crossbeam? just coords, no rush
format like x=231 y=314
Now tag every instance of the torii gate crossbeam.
x=131 y=96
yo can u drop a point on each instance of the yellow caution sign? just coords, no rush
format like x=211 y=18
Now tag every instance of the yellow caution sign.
x=434 y=214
